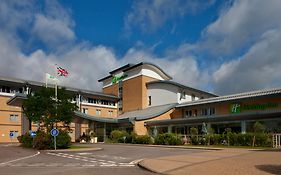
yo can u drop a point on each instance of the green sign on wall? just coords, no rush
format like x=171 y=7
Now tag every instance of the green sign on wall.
x=115 y=79
x=238 y=108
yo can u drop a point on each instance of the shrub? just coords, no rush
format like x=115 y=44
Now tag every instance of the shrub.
x=142 y=139
x=42 y=141
x=167 y=139
x=63 y=140
x=118 y=136
x=85 y=137
x=26 y=140
x=19 y=139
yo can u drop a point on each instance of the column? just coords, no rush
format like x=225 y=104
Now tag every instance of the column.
x=170 y=129
x=104 y=132
x=209 y=126
x=155 y=132
x=77 y=130
x=243 y=127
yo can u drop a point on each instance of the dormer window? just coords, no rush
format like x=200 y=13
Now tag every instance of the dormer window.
x=182 y=95
x=192 y=97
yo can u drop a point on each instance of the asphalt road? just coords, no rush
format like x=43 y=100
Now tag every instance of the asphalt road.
x=112 y=159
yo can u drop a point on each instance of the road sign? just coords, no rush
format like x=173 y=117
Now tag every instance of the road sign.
x=54 y=132
x=11 y=134
x=32 y=134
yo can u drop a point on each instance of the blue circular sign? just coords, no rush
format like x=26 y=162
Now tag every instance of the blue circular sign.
x=11 y=134
x=54 y=132
x=33 y=134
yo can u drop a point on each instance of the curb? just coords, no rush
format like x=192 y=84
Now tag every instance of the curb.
x=75 y=150
x=165 y=146
x=146 y=168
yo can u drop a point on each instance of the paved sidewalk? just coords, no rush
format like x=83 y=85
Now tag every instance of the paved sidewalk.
x=222 y=162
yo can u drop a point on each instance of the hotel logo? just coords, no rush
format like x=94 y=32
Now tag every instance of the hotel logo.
x=235 y=108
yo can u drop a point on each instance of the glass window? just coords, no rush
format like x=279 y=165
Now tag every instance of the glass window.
x=110 y=113
x=98 y=112
x=149 y=100
x=85 y=110
x=192 y=97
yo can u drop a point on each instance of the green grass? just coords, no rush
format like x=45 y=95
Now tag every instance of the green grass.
x=225 y=146
x=77 y=147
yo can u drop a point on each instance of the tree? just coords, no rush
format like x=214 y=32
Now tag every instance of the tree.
x=43 y=108
x=258 y=129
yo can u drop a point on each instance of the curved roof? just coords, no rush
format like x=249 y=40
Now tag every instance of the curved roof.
x=147 y=113
x=181 y=86
x=128 y=67
x=94 y=118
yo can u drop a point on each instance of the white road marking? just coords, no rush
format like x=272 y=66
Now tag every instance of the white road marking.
x=135 y=161
x=27 y=157
x=94 y=162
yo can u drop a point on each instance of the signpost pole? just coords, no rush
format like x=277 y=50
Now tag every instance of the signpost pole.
x=55 y=142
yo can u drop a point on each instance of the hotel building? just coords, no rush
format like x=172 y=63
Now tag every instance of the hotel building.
x=144 y=99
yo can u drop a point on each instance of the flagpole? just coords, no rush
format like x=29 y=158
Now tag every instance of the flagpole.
x=46 y=83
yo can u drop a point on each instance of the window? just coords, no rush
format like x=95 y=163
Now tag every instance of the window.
x=192 y=97
x=90 y=100
x=110 y=113
x=98 y=112
x=149 y=100
x=195 y=112
x=212 y=111
x=182 y=95
x=14 y=118
x=85 y=110
x=204 y=111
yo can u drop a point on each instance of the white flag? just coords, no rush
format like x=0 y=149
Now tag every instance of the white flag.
x=51 y=77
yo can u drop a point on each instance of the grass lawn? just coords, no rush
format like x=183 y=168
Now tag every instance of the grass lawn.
x=225 y=146
x=78 y=147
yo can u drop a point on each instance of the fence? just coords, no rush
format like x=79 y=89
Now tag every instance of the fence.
x=276 y=141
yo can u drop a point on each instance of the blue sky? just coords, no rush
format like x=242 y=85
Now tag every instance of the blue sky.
x=219 y=46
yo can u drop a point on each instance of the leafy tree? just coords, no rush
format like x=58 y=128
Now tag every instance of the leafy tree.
x=43 y=108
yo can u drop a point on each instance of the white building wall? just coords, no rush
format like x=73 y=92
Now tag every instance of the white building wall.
x=162 y=94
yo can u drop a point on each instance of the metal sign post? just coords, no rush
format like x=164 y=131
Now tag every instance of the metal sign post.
x=55 y=133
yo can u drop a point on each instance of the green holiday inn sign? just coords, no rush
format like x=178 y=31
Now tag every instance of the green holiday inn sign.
x=116 y=78
x=238 y=108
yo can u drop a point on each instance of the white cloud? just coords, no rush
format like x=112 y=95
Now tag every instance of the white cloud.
x=52 y=31
x=241 y=25
x=150 y=15
x=259 y=68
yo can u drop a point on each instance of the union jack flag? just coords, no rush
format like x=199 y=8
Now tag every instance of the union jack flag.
x=61 y=71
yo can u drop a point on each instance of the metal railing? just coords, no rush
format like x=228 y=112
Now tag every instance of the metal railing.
x=276 y=141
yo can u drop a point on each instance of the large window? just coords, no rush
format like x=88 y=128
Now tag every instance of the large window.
x=98 y=112
x=85 y=110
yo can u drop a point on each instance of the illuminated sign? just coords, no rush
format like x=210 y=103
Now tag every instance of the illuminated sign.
x=116 y=79
x=238 y=108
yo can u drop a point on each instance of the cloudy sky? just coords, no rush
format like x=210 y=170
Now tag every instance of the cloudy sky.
x=223 y=47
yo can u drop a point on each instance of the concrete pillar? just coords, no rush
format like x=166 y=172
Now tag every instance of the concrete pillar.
x=170 y=129
x=243 y=127
x=209 y=126
x=104 y=132
x=77 y=130
x=155 y=132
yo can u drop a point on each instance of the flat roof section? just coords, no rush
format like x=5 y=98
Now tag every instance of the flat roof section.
x=20 y=82
x=245 y=95
x=181 y=86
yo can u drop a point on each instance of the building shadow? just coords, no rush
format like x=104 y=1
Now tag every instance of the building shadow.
x=272 y=169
